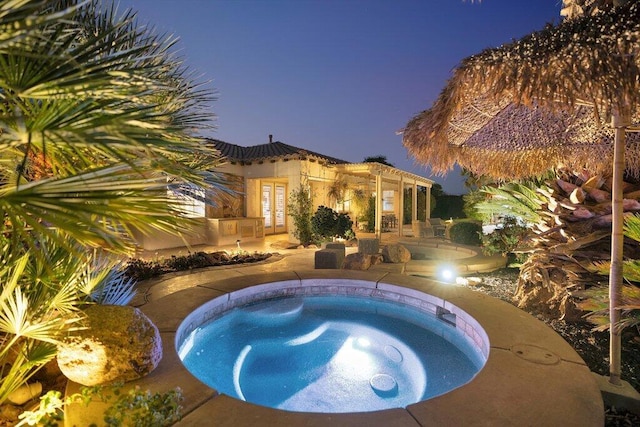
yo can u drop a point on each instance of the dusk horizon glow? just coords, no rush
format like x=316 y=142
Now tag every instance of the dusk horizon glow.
x=336 y=77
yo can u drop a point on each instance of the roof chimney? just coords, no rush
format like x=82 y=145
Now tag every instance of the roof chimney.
x=270 y=138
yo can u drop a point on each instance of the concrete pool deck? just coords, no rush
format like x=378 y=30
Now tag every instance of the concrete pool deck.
x=532 y=376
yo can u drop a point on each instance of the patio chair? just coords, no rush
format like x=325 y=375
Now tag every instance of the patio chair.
x=389 y=222
x=438 y=225
x=423 y=229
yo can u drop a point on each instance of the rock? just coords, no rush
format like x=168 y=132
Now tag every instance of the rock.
x=48 y=374
x=25 y=393
x=603 y=221
x=329 y=258
x=285 y=244
x=352 y=243
x=396 y=253
x=120 y=343
x=335 y=245
x=468 y=281
x=474 y=281
x=357 y=261
x=9 y=414
x=376 y=259
x=462 y=281
x=216 y=258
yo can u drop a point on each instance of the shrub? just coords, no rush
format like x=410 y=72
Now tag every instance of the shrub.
x=139 y=269
x=369 y=215
x=132 y=408
x=466 y=233
x=301 y=210
x=505 y=240
x=327 y=224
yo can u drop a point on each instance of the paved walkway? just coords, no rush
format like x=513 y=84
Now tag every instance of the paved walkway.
x=272 y=243
x=288 y=257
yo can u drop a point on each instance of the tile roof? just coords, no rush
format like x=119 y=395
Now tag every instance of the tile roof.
x=272 y=150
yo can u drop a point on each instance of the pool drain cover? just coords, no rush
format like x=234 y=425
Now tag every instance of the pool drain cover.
x=393 y=353
x=535 y=354
x=383 y=384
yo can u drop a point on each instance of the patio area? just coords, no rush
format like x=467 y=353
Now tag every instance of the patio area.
x=526 y=360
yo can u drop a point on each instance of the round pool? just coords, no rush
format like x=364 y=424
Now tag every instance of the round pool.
x=425 y=250
x=348 y=346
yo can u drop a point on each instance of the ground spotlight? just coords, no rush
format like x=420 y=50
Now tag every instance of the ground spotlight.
x=447 y=273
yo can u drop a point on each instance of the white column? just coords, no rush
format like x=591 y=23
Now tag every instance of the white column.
x=378 y=222
x=414 y=202
x=428 y=203
x=400 y=205
x=415 y=224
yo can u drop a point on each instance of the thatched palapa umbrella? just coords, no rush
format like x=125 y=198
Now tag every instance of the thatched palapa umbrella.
x=565 y=95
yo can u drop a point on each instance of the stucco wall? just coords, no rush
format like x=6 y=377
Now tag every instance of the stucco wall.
x=195 y=235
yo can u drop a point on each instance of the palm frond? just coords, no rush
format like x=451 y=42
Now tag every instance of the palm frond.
x=16 y=320
x=515 y=199
x=102 y=90
x=98 y=117
x=597 y=305
x=106 y=282
x=20 y=18
x=29 y=356
x=96 y=207
x=632 y=227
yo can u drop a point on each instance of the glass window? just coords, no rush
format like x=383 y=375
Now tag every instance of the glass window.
x=387 y=200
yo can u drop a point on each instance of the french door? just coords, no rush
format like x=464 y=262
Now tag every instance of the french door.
x=274 y=207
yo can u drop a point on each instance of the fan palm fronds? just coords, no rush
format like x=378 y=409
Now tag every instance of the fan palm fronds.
x=98 y=116
x=596 y=300
x=520 y=200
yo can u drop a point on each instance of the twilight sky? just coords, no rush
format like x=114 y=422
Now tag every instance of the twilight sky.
x=338 y=77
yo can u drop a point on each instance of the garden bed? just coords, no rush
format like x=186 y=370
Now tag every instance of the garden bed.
x=139 y=269
x=592 y=346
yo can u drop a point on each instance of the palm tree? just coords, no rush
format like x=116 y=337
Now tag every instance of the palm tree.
x=575 y=8
x=528 y=118
x=98 y=116
x=337 y=189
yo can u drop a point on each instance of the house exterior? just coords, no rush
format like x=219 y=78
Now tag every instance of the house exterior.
x=264 y=175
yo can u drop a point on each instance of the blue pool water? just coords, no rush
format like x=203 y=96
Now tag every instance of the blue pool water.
x=330 y=354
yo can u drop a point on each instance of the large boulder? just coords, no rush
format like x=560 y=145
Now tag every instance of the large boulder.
x=119 y=344
x=396 y=253
x=357 y=261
